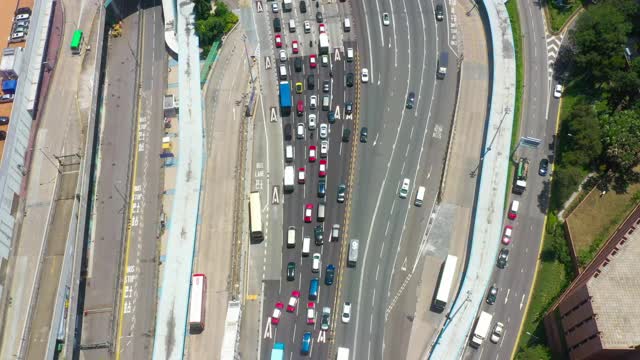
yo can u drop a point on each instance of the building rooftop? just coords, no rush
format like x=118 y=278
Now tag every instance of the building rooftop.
x=615 y=293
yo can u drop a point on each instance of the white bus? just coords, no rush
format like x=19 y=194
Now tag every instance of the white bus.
x=197 y=303
x=255 y=212
x=446 y=283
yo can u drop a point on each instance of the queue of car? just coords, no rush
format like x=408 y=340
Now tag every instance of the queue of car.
x=314 y=168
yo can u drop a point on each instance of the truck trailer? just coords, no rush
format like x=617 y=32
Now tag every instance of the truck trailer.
x=277 y=353
x=285 y=97
x=343 y=353
x=482 y=329
x=323 y=44
x=289 y=175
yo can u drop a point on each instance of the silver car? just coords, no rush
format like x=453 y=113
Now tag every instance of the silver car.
x=326 y=317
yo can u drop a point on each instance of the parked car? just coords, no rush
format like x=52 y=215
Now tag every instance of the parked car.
x=503 y=258
x=6 y=98
x=544 y=167
x=506 y=235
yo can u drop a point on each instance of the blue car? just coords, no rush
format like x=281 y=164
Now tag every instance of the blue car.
x=305 y=347
x=329 y=274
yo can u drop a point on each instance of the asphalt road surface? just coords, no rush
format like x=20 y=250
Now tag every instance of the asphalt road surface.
x=292 y=326
x=404 y=143
x=539 y=115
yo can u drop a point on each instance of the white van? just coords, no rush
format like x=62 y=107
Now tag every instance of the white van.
x=283 y=72
x=292 y=25
x=419 y=196
x=291 y=237
x=306 y=243
x=347 y=25
x=349 y=54
x=288 y=153
x=321 y=212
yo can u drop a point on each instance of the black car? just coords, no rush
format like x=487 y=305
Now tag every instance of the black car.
x=503 y=258
x=277 y=25
x=331 y=116
x=411 y=98
x=329 y=274
x=291 y=271
x=297 y=64
x=439 y=12
x=311 y=82
x=303 y=6
x=492 y=295
x=350 y=79
x=363 y=134
x=342 y=189
x=4 y=120
x=322 y=188
x=287 y=132
x=346 y=134
x=544 y=167
x=348 y=108
x=317 y=233
x=319 y=16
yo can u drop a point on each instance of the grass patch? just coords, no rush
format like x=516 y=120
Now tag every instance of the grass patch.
x=597 y=218
x=512 y=9
x=560 y=13
x=554 y=275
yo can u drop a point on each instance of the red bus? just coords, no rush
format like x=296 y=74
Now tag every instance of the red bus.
x=198 y=302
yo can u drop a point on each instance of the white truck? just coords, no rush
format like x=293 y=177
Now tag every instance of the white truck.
x=343 y=354
x=482 y=329
x=289 y=177
x=323 y=44
x=286 y=5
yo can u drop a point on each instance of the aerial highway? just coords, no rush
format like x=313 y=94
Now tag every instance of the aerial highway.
x=404 y=143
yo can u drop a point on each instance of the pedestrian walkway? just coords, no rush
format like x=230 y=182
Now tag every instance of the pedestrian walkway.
x=492 y=168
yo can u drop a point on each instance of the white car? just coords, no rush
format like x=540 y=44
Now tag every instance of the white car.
x=385 y=19
x=365 y=75
x=557 y=92
x=497 y=332
x=274 y=7
x=324 y=148
x=312 y=122
x=300 y=131
x=315 y=264
x=346 y=312
x=283 y=55
x=23 y=17
x=313 y=102
x=307 y=27
x=404 y=189
x=324 y=131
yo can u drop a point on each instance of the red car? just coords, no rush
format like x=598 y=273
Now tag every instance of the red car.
x=308 y=212
x=323 y=29
x=506 y=236
x=513 y=210
x=322 y=171
x=301 y=175
x=313 y=61
x=277 y=311
x=294 y=47
x=311 y=313
x=293 y=301
x=278 y=41
x=312 y=153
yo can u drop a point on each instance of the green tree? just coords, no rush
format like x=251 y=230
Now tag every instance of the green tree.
x=566 y=181
x=582 y=129
x=209 y=30
x=221 y=9
x=621 y=139
x=600 y=34
x=202 y=9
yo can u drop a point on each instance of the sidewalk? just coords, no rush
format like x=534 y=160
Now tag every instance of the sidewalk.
x=458 y=196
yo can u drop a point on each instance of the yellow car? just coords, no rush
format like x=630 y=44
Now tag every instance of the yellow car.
x=299 y=88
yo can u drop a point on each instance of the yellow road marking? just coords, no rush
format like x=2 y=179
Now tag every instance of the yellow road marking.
x=129 y=220
x=544 y=226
